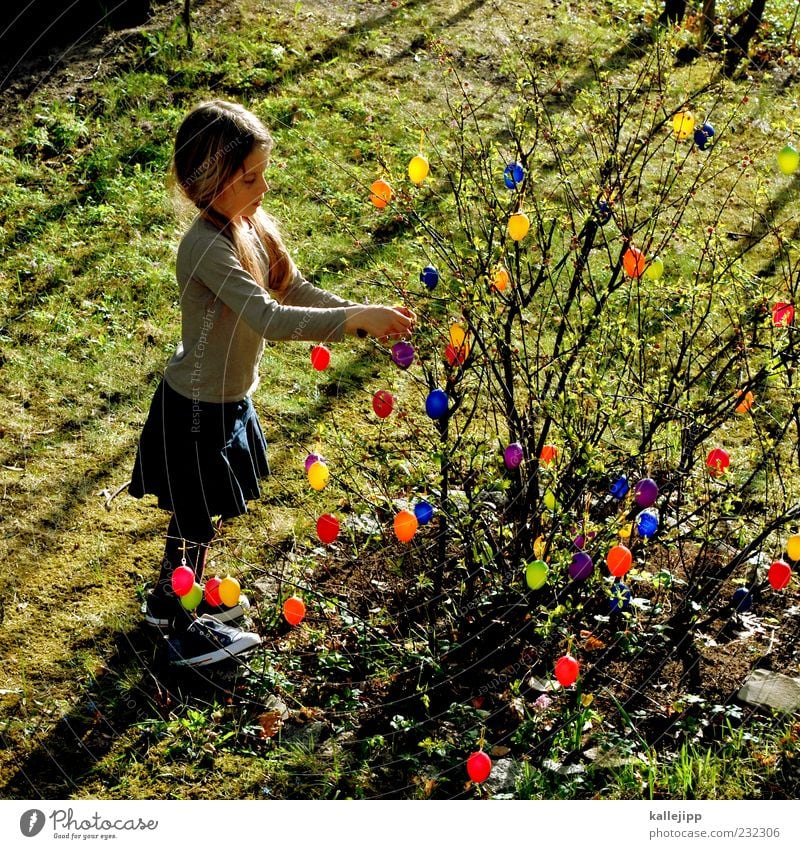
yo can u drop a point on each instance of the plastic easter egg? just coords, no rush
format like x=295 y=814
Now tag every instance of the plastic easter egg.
x=513 y=175
x=626 y=530
x=229 y=591
x=403 y=354
x=405 y=525
x=479 y=766
x=311 y=459
x=654 y=270
x=782 y=314
x=717 y=462
x=458 y=344
x=550 y=501
x=327 y=528
x=646 y=523
x=619 y=560
x=793 y=547
x=634 y=262
x=518 y=226
x=294 y=610
x=536 y=574
x=645 y=493
x=513 y=456
x=456 y=356
x=429 y=276
x=603 y=212
x=437 y=404
x=423 y=510
x=320 y=357
x=211 y=592
x=418 y=169
x=383 y=403
x=746 y=402
x=567 y=670
x=581 y=567
x=779 y=575
x=619 y=488
x=318 y=475
x=381 y=193
x=500 y=280
x=191 y=599
x=548 y=454
x=683 y=124
x=620 y=598
x=703 y=135
x=742 y=600
x=788 y=159
x=182 y=580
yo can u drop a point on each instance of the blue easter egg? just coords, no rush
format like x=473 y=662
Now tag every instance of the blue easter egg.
x=423 y=511
x=620 y=598
x=646 y=523
x=742 y=600
x=603 y=212
x=703 y=135
x=429 y=276
x=513 y=175
x=620 y=487
x=437 y=403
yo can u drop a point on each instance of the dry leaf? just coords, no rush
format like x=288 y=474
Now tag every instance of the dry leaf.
x=271 y=723
x=499 y=751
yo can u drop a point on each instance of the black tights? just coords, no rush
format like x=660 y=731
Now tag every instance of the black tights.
x=187 y=539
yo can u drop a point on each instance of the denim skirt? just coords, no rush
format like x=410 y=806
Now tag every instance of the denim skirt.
x=200 y=458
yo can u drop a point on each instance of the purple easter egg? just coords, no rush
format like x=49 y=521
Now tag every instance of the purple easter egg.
x=402 y=354
x=311 y=459
x=512 y=456
x=646 y=493
x=581 y=566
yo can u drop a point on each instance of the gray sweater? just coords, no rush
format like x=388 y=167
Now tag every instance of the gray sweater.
x=226 y=316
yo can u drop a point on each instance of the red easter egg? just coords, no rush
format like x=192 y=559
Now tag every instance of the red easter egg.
x=782 y=314
x=548 y=453
x=327 y=528
x=320 y=357
x=383 y=403
x=567 y=669
x=479 y=765
x=779 y=575
x=717 y=462
x=294 y=610
x=634 y=262
x=619 y=559
x=182 y=580
x=211 y=592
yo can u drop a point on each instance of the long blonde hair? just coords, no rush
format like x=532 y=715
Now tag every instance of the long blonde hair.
x=210 y=148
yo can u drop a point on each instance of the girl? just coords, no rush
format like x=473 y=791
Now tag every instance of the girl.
x=202 y=450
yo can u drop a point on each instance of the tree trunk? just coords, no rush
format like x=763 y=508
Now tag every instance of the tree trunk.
x=187 y=22
x=708 y=21
x=738 y=44
x=673 y=13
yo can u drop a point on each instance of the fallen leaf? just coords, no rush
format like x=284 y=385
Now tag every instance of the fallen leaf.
x=271 y=723
x=499 y=751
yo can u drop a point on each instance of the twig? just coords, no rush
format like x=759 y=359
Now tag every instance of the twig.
x=110 y=496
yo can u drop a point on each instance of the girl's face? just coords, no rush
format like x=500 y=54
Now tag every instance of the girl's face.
x=243 y=195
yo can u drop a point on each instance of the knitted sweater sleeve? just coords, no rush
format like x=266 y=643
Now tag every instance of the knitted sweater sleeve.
x=310 y=315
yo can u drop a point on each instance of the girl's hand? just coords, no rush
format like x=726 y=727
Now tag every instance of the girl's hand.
x=382 y=322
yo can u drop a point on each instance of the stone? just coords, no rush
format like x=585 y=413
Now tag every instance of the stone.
x=503 y=778
x=771 y=689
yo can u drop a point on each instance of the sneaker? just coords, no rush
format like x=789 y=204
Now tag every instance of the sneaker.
x=206 y=641
x=225 y=614
x=158 y=610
